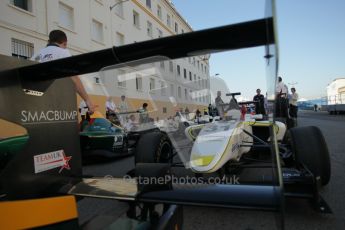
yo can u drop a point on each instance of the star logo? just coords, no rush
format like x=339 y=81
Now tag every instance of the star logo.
x=65 y=161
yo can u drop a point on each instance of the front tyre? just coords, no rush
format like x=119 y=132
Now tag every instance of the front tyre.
x=154 y=147
x=310 y=148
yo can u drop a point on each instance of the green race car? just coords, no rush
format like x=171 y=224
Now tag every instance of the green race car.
x=9 y=147
x=101 y=138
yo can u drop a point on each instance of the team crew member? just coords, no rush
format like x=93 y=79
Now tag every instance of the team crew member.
x=143 y=116
x=219 y=104
x=281 y=89
x=56 y=49
x=260 y=105
x=110 y=107
x=293 y=103
x=123 y=108
x=83 y=109
x=281 y=99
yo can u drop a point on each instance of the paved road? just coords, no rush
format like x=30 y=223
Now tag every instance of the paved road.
x=299 y=214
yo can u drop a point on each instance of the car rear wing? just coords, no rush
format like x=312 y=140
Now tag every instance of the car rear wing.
x=214 y=195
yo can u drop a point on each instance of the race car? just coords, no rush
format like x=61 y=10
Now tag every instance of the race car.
x=10 y=147
x=101 y=138
x=257 y=151
x=219 y=142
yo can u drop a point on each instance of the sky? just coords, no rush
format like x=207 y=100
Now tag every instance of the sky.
x=311 y=35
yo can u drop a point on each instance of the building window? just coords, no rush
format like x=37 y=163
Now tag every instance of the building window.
x=194 y=61
x=136 y=21
x=179 y=92
x=139 y=83
x=190 y=94
x=66 y=16
x=164 y=109
x=149 y=29
x=118 y=7
x=97 y=80
x=198 y=64
x=185 y=94
x=178 y=68
x=152 y=84
x=195 y=78
x=185 y=73
x=22 y=49
x=97 y=31
x=159 y=11
x=172 y=90
x=202 y=67
x=148 y=3
x=121 y=80
x=190 y=76
x=171 y=66
x=205 y=69
x=23 y=4
x=163 y=89
x=119 y=39
x=162 y=64
x=168 y=20
x=160 y=33
x=176 y=27
x=199 y=82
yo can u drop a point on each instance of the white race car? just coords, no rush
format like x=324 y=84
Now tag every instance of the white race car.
x=223 y=141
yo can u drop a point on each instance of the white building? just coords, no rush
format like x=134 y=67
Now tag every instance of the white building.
x=98 y=24
x=336 y=92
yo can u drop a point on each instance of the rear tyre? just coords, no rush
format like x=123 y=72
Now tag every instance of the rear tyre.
x=154 y=147
x=310 y=148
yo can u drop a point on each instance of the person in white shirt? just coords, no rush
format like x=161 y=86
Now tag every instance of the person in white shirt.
x=293 y=103
x=281 y=88
x=110 y=107
x=281 y=99
x=83 y=109
x=56 y=49
x=131 y=124
x=123 y=108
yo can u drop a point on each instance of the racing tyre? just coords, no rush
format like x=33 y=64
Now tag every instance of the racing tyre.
x=310 y=148
x=154 y=147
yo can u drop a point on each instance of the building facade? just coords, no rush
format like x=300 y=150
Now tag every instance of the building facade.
x=336 y=92
x=166 y=85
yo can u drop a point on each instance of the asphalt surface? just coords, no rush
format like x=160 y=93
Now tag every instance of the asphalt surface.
x=298 y=214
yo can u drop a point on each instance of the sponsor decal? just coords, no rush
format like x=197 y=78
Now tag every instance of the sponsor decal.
x=48 y=116
x=51 y=160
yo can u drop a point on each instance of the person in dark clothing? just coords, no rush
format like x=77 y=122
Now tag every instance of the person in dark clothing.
x=315 y=107
x=197 y=115
x=210 y=110
x=143 y=114
x=260 y=103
